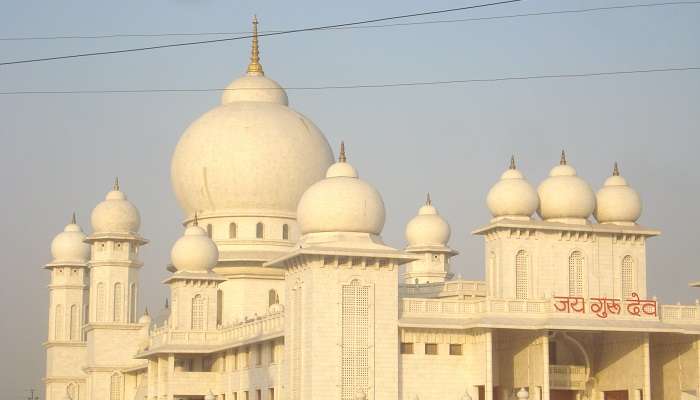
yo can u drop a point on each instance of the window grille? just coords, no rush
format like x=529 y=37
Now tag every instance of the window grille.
x=285 y=232
x=355 y=339
x=58 y=323
x=455 y=349
x=576 y=274
x=521 y=275
x=101 y=302
x=628 y=286
x=115 y=387
x=431 y=349
x=259 y=230
x=118 y=303
x=198 y=313
x=406 y=348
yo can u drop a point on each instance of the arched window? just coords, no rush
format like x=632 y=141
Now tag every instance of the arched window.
x=232 y=230
x=491 y=274
x=74 y=322
x=118 y=303
x=132 y=303
x=73 y=392
x=58 y=323
x=115 y=387
x=576 y=276
x=101 y=302
x=285 y=232
x=628 y=286
x=210 y=230
x=198 y=313
x=521 y=275
x=259 y=230
x=272 y=297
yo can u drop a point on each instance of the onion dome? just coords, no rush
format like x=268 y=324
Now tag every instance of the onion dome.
x=115 y=214
x=194 y=251
x=565 y=197
x=145 y=319
x=512 y=197
x=69 y=247
x=427 y=228
x=617 y=202
x=341 y=203
x=251 y=155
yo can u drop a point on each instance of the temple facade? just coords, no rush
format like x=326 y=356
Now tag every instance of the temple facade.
x=281 y=286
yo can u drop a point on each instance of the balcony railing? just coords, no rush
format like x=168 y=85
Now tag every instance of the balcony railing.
x=568 y=377
x=464 y=288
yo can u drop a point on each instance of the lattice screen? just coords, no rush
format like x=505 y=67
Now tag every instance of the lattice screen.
x=628 y=286
x=198 y=313
x=118 y=306
x=576 y=274
x=521 y=275
x=101 y=300
x=355 y=340
x=115 y=387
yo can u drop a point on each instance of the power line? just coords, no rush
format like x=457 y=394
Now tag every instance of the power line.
x=444 y=21
x=316 y=28
x=367 y=85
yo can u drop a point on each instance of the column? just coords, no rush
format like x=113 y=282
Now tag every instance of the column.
x=488 y=386
x=646 y=389
x=171 y=378
x=545 y=369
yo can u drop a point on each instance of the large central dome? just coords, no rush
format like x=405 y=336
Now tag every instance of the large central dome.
x=252 y=155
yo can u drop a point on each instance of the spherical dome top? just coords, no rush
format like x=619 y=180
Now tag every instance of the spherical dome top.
x=512 y=196
x=427 y=228
x=115 y=214
x=145 y=319
x=194 y=251
x=69 y=246
x=564 y=196
x=341 y=203
x=617 y=202
x=254 y=88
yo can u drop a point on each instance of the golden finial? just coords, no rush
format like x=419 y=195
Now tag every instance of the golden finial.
x=254 y=67
x=116 y=184
x=145 y=311
x=195 y=221
x=428 y=201
x=512 y=162
x=616 y=170
x=342 y=157
x=562 y=160
x=72 y=220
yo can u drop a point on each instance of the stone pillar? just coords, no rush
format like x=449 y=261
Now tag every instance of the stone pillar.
x=545 y=368
x=646 y=365
x=488 y=385
x=171 y=373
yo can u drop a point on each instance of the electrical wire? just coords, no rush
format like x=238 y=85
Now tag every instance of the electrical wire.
x=445 y=21
x=367 y=85
x=316 y=28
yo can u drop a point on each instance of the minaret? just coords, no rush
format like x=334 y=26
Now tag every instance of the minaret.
x=427 y=235
x=68 y=292
x=114 y=272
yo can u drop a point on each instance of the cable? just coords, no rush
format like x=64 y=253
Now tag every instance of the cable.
x=368 y=85
x=447 y=21
x=163 y=46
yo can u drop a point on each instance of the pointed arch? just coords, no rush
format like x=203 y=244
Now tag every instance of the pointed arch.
x=101 y=302
x=522 y=284
x=576 y=274
x=118 y=304
x=627 y=270
x=132 y=303
x=198 y=313
x=272 y=297
x=58 y=323
x=74 y=323
x=232 y=230
x=259 y=230
x=73 y=391
x=115 y=387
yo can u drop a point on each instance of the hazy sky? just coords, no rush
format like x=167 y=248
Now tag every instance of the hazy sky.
x=61 y=152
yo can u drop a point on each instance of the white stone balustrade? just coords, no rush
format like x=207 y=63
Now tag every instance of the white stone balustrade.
x=464 y=288
x=568 y=377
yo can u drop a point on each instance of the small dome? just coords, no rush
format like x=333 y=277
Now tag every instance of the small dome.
x=69 y=246
x=565 y=197
x=145 y=319
x=617 y=202
x=428 y=228
x=512 y=197
x=341 y=203
x=115 y=214
x=194 y=251
x=252 y=87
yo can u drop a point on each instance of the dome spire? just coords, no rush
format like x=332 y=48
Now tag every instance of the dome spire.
x=428 y=201
x=116 y=184
x=616 y=170
x=255 y=68
x=512 y=162
x=342 y=157
x=72 y=220
x=562 y=160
